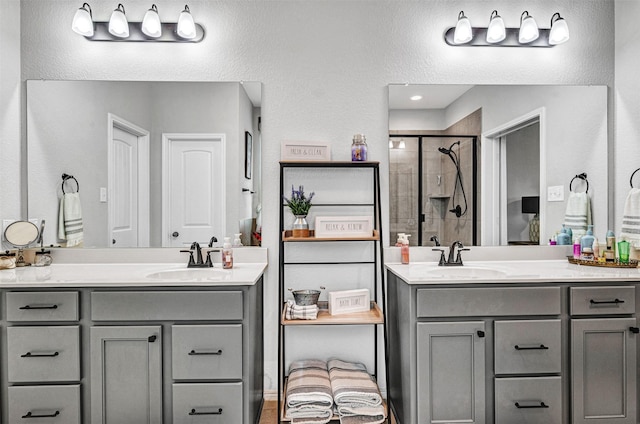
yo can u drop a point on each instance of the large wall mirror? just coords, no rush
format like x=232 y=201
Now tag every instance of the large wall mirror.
x=495 y=164
x=154 y=164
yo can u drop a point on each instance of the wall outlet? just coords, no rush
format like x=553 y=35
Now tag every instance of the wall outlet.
x=555 y=193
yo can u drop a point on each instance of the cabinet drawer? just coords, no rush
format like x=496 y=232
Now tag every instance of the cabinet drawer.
x=533 y=400
x=42 y=306
x=603 y=300
x=166 y=305
x=528 y=347
x=44 y=404
x=214 y=403
x=206 y=351
x=43 y=354
x=490 y=301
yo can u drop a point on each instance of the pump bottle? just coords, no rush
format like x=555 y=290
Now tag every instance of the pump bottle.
x=404 y=249
x=227 y=254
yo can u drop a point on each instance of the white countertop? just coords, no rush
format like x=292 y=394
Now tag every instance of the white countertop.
x=80 y=275
x=515 y=271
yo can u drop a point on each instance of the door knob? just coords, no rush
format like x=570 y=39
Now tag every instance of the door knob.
x=175 y=234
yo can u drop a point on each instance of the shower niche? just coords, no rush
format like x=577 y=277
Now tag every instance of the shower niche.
x=433 y=188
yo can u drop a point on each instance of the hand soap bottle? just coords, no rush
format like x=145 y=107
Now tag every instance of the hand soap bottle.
x=227 y=254
x=404 y=249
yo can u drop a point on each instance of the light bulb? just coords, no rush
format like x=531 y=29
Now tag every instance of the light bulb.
x=559 y=32
x=82 y=21
x=463 y=33
x=528 y=28
x=151 y=26
x=118 y=24
x=186 y=26
x=401 y=145
x=496 y=31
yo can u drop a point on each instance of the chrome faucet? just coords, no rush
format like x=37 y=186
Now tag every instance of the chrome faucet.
x=434 y=238
x=450 y=261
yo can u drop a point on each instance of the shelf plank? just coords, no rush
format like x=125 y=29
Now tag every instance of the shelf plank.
x=330 y=163
x=372 y=316
x=334 y=418
x=287 y=236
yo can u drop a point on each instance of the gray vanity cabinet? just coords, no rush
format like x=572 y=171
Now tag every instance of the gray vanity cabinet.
x=451 y=372
x=126 y=374
x=603 y=355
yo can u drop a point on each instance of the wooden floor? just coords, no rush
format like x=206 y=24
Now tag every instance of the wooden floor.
x=270 y=413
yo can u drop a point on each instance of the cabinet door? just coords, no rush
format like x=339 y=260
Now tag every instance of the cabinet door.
x=126 y=375
x=451 y=372
x=603 y=358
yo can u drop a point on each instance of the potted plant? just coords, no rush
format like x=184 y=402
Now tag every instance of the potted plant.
x=299 y=204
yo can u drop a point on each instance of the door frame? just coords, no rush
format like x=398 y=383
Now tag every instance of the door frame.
x=167 y=139
x=143 y=135
x=493 y=203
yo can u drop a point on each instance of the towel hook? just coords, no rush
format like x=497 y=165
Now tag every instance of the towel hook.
x=66 y=177
x=631 y=179
x=583 y=177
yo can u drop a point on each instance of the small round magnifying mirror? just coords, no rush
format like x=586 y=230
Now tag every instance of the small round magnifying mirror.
x=21 y=233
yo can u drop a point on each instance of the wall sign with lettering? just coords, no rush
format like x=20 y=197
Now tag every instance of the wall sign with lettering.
x=343 y=226
x=305 y=150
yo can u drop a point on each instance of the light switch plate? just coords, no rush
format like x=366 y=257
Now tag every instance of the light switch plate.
x=103 y=194
x=555 y=193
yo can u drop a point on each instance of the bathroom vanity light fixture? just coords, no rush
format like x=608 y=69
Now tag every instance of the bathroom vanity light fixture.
x=150 y=29
x=497 y=35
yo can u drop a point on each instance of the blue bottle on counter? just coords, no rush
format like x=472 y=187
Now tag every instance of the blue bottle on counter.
x=564 y=238
x=587 y=239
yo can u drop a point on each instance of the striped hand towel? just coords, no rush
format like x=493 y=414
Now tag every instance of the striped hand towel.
x=70 y=220
x=578 y=213
x=293 y=311
x=356 y=395
x=309 y=397
x=631 y=218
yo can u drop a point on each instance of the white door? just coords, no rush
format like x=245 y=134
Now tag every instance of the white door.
x=128 y=188
x=193 y=188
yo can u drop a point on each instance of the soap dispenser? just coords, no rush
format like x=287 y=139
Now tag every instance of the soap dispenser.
x=404 y=249
x=587 y=240
x=227 y=254
x=564 y=238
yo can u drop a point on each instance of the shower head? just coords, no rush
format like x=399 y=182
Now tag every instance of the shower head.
x=449 y=150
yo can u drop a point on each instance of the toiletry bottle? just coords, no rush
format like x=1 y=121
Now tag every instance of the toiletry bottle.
x=611 y=244
x=563 y=237
x=400 y=238
x=359 y=148
x=237 y=242
x=576 y=248
x=227 y=254
x=587 y=239
x=404 y=250
x=596 y=249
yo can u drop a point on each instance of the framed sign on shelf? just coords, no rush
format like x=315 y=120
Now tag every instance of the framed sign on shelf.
x=248 y=154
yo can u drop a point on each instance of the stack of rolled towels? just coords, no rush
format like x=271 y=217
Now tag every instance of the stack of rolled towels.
x=316 y=388
x=293 y=311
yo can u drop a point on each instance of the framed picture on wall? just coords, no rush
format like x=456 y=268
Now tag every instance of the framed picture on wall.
x=248 y=152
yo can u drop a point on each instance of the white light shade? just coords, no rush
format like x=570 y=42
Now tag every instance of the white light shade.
x=559 y=32
x=496 y=31
x=151 y=26
x=401 y=145
x=118 y=24
x=82 y=21
x=186 y=26
x=391 y=144
x=528 y=29
x=463 y=33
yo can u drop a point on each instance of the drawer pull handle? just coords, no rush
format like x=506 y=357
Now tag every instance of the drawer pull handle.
x=480 y=333
x=542 y=405
x=218 y=352
x=606 y=302
x=30 y=415
x=28 y=307
x=40 y=355
x=152 y=338
x=634 y=330
x=541 y=347
x=194 y=412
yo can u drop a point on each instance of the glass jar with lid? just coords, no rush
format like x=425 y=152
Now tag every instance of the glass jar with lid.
x=359 y=148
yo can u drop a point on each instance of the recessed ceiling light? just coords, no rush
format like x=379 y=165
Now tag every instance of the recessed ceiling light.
x=415 y=98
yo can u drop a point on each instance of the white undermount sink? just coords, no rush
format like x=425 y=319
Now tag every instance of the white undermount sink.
x=191 y=274
x=462 y=272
